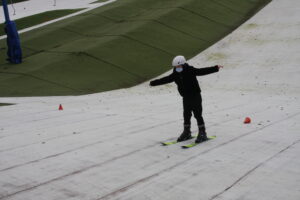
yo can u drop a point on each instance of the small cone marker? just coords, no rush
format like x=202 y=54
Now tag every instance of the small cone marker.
x=60 y=107
x=247 y=120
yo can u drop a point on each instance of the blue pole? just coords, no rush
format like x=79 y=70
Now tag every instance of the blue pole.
x=14 y=51
x=5 y=8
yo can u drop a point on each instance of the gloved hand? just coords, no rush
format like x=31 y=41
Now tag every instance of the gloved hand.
x=220 y=66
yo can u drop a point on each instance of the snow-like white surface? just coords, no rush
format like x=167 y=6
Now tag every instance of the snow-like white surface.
x=106 y=146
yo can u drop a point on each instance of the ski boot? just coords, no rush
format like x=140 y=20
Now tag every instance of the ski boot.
x=201 y=135
x=186 y=134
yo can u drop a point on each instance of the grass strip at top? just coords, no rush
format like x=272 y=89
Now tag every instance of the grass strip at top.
x=33 y=20
x=100 y=1
x=118 y=45
x=5 y=104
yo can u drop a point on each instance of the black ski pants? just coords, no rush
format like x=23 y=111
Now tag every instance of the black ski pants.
x=193 y=105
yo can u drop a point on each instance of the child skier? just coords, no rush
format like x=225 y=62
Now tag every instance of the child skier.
x=185 y=76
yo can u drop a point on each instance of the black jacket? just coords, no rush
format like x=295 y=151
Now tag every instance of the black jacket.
x=186 y=80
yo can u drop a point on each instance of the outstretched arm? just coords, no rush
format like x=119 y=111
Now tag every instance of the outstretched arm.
x=207 y=70
x=161 y=81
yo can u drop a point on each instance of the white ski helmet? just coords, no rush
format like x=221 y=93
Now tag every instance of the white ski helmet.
x=178 y=60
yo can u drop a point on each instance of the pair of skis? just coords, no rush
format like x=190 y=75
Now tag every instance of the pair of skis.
x=188 y=145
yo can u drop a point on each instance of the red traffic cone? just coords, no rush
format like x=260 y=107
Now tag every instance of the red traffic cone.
x=60 y=107
x=247 y=120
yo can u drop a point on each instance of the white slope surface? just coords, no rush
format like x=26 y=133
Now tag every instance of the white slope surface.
x=106 y=146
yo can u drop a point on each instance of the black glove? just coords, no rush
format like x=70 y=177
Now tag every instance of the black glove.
x=151 y=83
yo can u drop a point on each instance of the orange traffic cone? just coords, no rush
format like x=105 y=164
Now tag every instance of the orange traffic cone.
x=247 y=120
x=60 y=107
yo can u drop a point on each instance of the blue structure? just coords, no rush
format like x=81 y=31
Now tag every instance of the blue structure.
x=14 y=51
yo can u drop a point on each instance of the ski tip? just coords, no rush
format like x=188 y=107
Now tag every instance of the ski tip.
x=168 y=143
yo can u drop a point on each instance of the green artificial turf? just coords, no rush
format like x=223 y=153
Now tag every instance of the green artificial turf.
x=5 y=104
x=118 y=45
x=100 y=1
x=38 y=19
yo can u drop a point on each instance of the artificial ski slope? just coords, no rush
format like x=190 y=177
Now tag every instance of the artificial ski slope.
x=106 y=145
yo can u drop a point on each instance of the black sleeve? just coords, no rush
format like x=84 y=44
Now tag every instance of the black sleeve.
x=206 y=70
x=161 y=81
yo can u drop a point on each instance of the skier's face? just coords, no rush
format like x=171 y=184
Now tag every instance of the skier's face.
x=178 y=68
